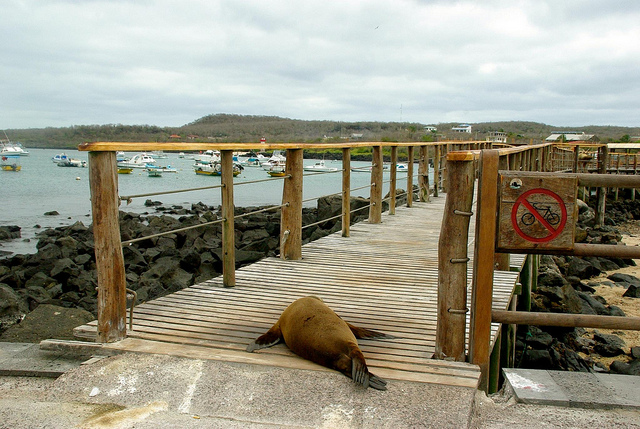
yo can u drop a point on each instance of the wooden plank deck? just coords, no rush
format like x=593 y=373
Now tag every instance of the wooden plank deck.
x=383 y=277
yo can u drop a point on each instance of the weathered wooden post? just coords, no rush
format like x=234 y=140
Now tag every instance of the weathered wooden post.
x=453 y=258
x=410 y=176
x=436 y=170
x=482 y=286
x=228 y=225
x=346 y=191
x=502 y=260
x=393 y=180
x=112 y=295
x=601 y=192
x=375 y=211
x=291 y=222
x=423 y=175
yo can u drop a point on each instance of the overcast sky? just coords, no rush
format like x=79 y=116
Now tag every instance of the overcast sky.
x=167 y=63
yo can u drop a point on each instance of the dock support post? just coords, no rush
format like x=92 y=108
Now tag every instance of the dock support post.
x=228 y=225
x=393 y=184
x=291 y=222
x=423 y=175
x=601 y=193
x=452 y=259
x=483 y=264
x=112 y=284
x=410 y=176
x=346 y=191
x=375 y=211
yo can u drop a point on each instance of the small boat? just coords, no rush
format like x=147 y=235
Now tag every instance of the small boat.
x=125 y=170
x=167 y=169
x=59 y=157
x=319 y=166
x=140 y=160
x=155 y=172
x=256 y=160
x=208 y=156
x=71 y=162
x=277 y=171
x=277 y=158
x=158 y=154
x=215 y=169
x=402 y=167
x=7 y=147
x=10 y=163
x=120 y=156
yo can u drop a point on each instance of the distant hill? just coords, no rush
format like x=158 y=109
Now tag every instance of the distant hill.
x=243 y=128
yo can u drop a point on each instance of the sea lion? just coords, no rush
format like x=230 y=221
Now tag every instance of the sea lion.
x=315 y=332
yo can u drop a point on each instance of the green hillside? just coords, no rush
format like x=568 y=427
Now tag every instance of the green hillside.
x=242 y=128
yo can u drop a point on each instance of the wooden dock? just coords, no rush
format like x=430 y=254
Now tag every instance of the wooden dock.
x=383 y=277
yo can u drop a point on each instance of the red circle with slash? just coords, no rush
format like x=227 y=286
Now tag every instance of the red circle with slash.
x=553 y=231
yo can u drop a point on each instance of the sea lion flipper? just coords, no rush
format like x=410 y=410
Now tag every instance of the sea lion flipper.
x=377 y=383
x=272 y=337
x=367 y=333
x=359 y=372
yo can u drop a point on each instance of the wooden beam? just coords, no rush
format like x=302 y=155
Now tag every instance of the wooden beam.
x=410 y=176
x=291 y=223
x=452 y=261
x=375 y=211
x=482 y=286
x=228 y=225
x=112 y=299
x=393 y=180
x=566 y=320
x=346 y=191
x=423 y=175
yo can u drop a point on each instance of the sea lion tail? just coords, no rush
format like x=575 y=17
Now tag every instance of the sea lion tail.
x=368 y=333
x=272 y=337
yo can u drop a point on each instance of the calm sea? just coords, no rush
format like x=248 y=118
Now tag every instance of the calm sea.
x=42 y=186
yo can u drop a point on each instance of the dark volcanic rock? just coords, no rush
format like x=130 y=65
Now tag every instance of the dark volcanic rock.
x=632 y=292
x=45 y=322
x=608 y=345
x=9 y=232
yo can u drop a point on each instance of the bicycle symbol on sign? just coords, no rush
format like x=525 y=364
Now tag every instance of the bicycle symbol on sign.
x=546 y=213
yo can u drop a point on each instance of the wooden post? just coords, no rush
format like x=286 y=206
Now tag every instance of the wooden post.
x=503 y=260
x=291 y=223
x=346 y=191
x=576 y=158
x=601 y=192
x=393 y=184
x=112 y=284
x=228 y=225
x=423 y=175
x=482 y=286
x=494 y=363
x=436 y=170
x=410 y=176
x=453 y=257
x=375 y=211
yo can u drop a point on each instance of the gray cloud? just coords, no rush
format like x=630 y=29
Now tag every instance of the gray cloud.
x=168 y=63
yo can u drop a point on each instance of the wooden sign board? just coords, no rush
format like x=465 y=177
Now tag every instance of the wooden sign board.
x=537 y=211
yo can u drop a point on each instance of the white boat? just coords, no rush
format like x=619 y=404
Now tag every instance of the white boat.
x=7 y=147
x=59 y=157
x=154 y=172
x=402 y=167
x=140 y=160
x=71 y=162
x=158 y=154
x=208 y=156
x=367 y=168
x=256 y=161
x=319 y=166
x=120 y=156
x=215 y=169
x=277 y=158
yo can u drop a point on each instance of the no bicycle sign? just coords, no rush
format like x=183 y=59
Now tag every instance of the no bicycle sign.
x=537 y=211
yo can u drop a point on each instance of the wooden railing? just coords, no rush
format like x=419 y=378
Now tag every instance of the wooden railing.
x=452 y=284
x=105 y=203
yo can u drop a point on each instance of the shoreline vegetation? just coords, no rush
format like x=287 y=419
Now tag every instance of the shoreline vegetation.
x=221 y=128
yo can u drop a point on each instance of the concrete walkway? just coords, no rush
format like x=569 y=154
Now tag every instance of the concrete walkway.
x=159 y=391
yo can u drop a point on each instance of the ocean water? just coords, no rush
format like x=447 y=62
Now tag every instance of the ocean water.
x=42 y=186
